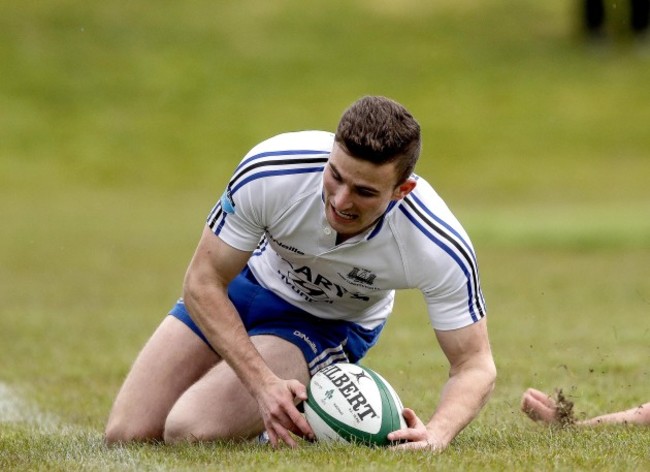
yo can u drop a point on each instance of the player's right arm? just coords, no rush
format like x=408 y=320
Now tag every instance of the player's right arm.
x=471 y=380
x=214 y=265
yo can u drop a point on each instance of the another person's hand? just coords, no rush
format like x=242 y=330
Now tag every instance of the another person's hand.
x=415 y=436
x=277 y=403
x=539 y=406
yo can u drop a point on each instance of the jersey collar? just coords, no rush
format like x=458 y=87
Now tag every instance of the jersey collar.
x=380 y=222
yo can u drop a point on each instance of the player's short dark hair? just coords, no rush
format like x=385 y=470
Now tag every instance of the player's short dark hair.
x=380 y=130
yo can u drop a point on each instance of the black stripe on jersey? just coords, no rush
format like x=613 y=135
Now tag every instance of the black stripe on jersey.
x=276 y=163
x=214 y=216
x=469 y=259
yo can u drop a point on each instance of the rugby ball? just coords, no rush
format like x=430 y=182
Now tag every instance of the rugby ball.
x=351 y=403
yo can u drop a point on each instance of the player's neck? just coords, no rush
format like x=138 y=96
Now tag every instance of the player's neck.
x=341 y=238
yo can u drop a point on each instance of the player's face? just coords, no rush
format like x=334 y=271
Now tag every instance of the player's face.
x=357 y=192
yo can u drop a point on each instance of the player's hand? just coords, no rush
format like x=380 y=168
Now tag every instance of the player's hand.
x=415 y=435
x=277 y=403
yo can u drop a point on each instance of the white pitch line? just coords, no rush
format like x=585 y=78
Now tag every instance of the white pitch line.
x=86 y=450
x=15 y=409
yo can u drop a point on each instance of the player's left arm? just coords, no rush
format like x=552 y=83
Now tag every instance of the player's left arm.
x=472 y=376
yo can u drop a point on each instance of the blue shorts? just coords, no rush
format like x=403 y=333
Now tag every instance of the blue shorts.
x=322 y=341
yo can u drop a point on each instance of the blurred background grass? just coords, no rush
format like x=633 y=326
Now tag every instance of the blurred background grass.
x=120 y=123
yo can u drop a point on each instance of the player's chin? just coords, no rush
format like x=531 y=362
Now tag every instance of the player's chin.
x=347 y=228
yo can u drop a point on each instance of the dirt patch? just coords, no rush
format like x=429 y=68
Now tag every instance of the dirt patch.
x=564 y=412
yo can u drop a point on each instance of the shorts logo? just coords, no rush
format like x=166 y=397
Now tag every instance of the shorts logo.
x=305 y=338
x=226 y=202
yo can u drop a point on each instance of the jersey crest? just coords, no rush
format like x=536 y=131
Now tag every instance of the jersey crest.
x=362 y=276
x=226 y=202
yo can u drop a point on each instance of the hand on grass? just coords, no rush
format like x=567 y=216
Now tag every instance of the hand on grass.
x=415 y=436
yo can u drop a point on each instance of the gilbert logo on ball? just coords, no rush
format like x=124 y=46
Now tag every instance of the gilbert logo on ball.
x=354 y=404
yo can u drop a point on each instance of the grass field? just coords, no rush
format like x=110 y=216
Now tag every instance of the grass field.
x=120 y=123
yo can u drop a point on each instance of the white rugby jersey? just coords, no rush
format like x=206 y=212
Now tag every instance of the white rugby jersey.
x=274 y=207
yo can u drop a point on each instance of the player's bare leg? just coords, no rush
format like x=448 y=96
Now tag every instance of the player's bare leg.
x=218 y=406
x=539 y=406
x=637 y=415
x=173 y=359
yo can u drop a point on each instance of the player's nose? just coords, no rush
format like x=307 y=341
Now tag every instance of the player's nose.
x=342 y=199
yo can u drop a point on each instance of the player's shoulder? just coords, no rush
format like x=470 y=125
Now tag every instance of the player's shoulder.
x=308 y=142
x=425 y=216
x=425 y=197
x=283 y=164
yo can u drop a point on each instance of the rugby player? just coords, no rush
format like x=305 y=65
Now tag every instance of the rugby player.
x=296 y=269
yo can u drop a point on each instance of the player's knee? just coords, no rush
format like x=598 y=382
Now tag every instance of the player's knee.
x=181 y=429
x=182 y=426
x=175 y=430
x=124 y=431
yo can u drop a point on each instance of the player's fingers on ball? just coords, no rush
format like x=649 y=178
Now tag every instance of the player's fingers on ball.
x=288 y=422
x=302 y=427
x=293 y=420
x=285 y=437
x=295 y=430
x=298 y=390
x=412 y=420
x=395 y=436
x=410 y=435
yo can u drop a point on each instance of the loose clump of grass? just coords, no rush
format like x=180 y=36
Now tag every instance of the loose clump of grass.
x=564 y=412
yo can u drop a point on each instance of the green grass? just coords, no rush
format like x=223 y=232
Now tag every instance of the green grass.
x=120 y=124
x=538 y=450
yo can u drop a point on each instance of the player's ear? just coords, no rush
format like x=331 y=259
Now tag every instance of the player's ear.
x=403 y=189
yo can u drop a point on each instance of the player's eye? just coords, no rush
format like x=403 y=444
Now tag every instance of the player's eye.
x=366 y=192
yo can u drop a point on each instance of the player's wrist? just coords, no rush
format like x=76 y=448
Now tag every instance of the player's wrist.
x=437 y=439
x=262 y=382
